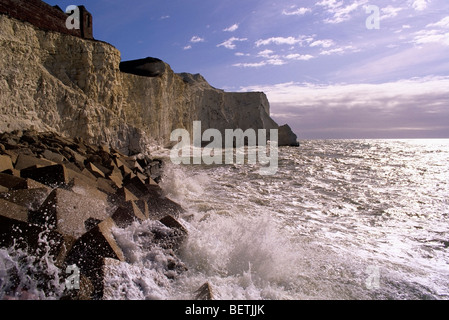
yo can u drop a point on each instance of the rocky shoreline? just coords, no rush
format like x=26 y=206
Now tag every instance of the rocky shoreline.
x=61 y=200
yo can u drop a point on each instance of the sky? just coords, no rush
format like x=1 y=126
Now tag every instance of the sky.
x=331 y=69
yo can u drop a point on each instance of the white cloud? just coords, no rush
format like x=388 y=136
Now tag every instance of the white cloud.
x=241 y=54
x=297 y=12
x=229 y=44
x=297 y=56
x=164 y=17
x=431 y=36
x=232 y=28
x=323 y=43
x=420 y=5
x=389 y=12
x=188 y=47
x=443 y=23
x=339 y=12
x=266 y=53
x=280 y=41
x=251 y=65
x=196 y=39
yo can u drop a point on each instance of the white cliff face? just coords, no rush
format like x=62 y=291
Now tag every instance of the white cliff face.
x=56 y=82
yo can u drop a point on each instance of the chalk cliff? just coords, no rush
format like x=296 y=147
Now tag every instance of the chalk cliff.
x=51 y=81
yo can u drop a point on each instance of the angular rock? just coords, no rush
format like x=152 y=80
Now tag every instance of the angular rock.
x=54 y=176
x=89 y=251
x=12 y=182
x=52 y=156
x=13 y=211
x=95 y=170
x=83 y=187
x=116 y=177
x=5 y=163
x=26 y=161
x=160 y=206
x=67 y=211
x=127 y=213
x=204 y=292
x=179 y=233
x=31 y=199
x=287 y=137
x=136 y=186
x=106 y=185
x=25 y=236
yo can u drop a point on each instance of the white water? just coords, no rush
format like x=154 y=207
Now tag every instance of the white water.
x=340 y=220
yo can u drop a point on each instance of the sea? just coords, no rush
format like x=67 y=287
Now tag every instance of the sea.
x=339 y=220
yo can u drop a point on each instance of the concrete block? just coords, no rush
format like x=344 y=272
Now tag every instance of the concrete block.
x=90 y=250
x=127 y=213
x=26 y=161
x=204 y=292
x=54 y=175
x=5 y=163
x=66 y=212
x=85 y=188
x=106 y=186
x=95 y=170
x=52 y=156
x=25 y=236
x=31 y=199
x=12 y=182
x=136 y=186
x=13 y=211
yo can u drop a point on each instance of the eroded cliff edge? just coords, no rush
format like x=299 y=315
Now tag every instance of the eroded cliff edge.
x=56 y=82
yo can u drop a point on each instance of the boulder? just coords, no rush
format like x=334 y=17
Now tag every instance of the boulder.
x=204 y=292
x=89 y=253
x=54 y=176
x=127 y=213
x=147 y=67
x=31 y=199
x=287 y=137
x=13 y=210
x=67 y=212
x=26 y=161
x=12 y=182
x=26 y=236
x=5 y=163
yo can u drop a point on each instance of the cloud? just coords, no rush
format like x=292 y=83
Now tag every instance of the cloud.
x=229 y=44
x=251 y=65
x=340 y=12
x=420 y=5
x=297 y=12
x=389 y=12
x=434 y=33
x=232 y=28
x=297 y=56
x=431 y=36
x=164 y=17
x=196 y=39
x=411 y=107
x=339 y=50
x=280 y=41
x=241 y=54
x=443 y=23
x=323 y=43
x=188 y=47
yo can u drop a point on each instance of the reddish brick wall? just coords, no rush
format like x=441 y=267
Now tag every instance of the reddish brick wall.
x=43 y=16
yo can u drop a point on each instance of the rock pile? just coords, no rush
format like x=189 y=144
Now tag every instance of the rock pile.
x=72 y=195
